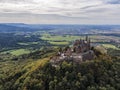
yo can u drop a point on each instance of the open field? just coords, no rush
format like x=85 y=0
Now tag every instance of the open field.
x=110 y=46
x=59 y=37
x=94 y=38
x=19 y=52
x=28 y=43
x=103 y=38
x=59 y=43
x=18 y=43
x=16 y=52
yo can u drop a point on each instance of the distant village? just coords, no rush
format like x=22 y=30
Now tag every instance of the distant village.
x=79 y=52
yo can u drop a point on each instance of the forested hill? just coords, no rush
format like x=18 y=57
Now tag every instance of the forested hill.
x=101 y=73
x=21 y=27
x=8 y=28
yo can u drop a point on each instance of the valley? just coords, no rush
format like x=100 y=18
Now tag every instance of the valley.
x=26 y=50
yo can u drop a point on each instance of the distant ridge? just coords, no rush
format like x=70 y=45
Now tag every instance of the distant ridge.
x=13 y=28
x=60 y=28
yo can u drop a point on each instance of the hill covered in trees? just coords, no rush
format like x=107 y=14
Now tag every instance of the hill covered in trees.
x=102 y=73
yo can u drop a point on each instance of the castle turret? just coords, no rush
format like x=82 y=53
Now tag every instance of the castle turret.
x=86 y=38
x=89 y=43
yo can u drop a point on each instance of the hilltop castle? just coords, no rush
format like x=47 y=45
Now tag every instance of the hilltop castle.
x=81 y=46
x=79 y=52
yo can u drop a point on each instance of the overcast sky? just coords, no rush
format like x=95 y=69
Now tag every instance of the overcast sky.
x=60 y=11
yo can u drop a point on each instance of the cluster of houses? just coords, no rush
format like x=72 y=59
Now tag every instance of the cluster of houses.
x=79 y=52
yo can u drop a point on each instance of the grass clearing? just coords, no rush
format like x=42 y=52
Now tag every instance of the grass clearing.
x=19 y=52
x=28 y=43
x=49 y=37
x=110 y=46
x=59 y=43
x=16 y=52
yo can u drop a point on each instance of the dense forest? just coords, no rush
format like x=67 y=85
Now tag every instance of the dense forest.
x=11 y=41
x=102 y=73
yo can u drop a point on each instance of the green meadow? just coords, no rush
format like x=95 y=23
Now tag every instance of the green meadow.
x=110 y=46
x=59 y=43
x=28 y=43
x=68 y=38
x=17 y=52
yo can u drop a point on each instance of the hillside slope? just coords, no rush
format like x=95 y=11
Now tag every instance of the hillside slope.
x=100 y=74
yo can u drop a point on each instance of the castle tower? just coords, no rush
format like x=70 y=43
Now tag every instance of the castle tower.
x=86 y=38
x=89 y=43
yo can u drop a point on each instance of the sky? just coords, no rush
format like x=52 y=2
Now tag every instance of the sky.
x=60 y=11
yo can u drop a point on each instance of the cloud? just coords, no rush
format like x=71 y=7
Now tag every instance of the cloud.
x=61 y=7
x=113 y=1
x=76 y=10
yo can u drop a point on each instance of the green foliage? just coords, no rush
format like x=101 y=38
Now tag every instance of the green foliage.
x=59 y=43
x=100 y=74
x=59 y=37
x=19 y=52
x=99 y=50
x=110 y=46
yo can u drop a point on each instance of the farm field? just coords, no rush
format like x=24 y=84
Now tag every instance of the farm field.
x=21 y=43
x=107 y=41
x=58 y=43
x=50 y=40
x=16 y=52
x=28 y=43
x=59 y=37
x=19 y=52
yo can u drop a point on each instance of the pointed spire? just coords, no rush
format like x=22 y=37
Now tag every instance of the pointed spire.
x=86 y=38
x=89 y=40
x=89 y=43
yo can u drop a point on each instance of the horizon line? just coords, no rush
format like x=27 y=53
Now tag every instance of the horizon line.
x=52 y=23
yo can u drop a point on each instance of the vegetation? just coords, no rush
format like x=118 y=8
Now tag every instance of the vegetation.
x=10 y=41
x=110 y=46
x=28 y=43
x=59 y=37
x=25 y=54
x=35 y=72
x=59 y=43
x=99 y=74
x=19 y=52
